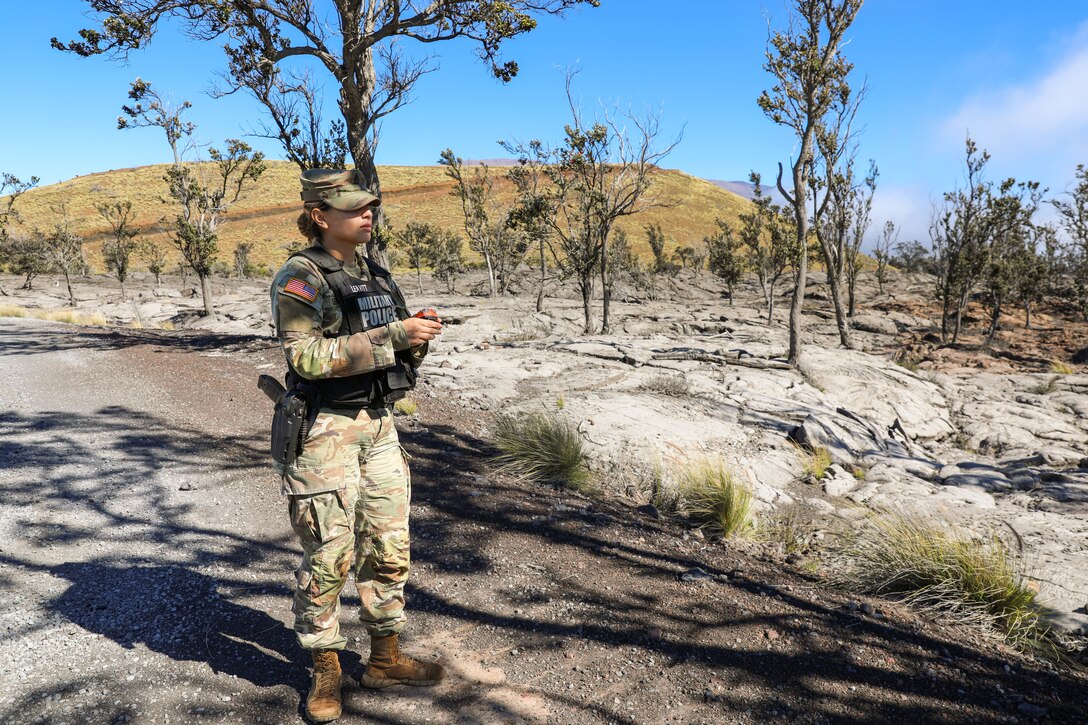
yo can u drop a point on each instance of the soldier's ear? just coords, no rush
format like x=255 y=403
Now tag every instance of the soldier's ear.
x=318 y=215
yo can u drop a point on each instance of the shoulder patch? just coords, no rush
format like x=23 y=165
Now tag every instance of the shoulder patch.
x=298 y=288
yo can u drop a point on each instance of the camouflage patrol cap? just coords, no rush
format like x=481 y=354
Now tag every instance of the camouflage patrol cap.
x=339 y=189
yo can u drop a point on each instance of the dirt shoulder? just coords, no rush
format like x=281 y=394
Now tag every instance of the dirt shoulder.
x=146 y=571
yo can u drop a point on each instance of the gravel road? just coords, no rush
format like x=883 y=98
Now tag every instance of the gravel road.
x=145 y=565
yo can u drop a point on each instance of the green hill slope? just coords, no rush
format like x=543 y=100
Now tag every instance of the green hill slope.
x=265 y=217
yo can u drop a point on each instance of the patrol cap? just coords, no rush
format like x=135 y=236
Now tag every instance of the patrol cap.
x=338 y=188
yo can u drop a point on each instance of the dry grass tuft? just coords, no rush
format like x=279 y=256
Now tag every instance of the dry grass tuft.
x=789 y=529
x=662 y=492
x=543 y=447
x=12 y=311
x=406 y=406
x=716 y=498
x=69 y=316
x=674 y=385
x=1045 y=387
x=1059 y=368
x=938 y=566
x=814 y=462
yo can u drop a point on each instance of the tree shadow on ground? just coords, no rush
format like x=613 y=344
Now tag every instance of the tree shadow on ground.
x=823 y=654
x=18 y=340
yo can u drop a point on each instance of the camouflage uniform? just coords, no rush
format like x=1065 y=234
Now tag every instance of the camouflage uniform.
x=349 y=489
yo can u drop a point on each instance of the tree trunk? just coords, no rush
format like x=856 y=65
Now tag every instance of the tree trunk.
x=356 y=95
x=1027 y=315
x=800 y=278
x=606 y=294
x=768 y=295
x=995 y=321
x=206 y=294
x=490 y=273
x=419 y=280
x=71 y=294
x=835 y=282
x=123 y=291
x=730 y=288
x=585 y=283
x=853 y=283
x=543 y=277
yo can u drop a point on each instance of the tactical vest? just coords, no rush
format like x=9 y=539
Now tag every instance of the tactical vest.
x=364 y=305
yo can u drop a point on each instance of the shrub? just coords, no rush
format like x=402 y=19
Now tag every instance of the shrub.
x=715 y=498
x=939 y=566
x=815 y=461
x=674 y=385
x=1046 y=387
x=406 y=406
x=663 y=493
x=542 y=447
x=789 y=529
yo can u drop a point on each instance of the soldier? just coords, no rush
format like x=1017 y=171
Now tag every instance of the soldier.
x=349 y=341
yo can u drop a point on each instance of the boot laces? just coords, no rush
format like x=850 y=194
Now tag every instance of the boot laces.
x=326 y=684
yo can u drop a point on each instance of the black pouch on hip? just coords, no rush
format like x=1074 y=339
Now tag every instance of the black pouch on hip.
x=291 y=423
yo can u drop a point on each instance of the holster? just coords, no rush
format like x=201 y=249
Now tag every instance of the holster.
x=295 y=414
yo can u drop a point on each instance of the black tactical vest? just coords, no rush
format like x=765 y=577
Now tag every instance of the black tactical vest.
x=364 y=305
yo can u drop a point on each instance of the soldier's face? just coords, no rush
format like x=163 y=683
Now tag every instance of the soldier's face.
x=350 y=227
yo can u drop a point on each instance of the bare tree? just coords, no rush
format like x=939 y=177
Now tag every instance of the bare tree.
x=356 y=46
x=446 y=257
x=1073 y=217
x=1012 y=252
x=960 y=231
x=770 y=243
x=533 y=207
x=724 y=258
x=1035 y=269
x=153 y=256
x=202 y=193
x=599 y=174
x=64 y=250
x=489 y=224
x=656 y=240
x=809 y=96
x=117 y=252
x=883 y=252
x=11 y=188
x=417 y=240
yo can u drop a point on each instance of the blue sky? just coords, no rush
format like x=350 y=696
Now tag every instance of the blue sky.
x=1015 y=77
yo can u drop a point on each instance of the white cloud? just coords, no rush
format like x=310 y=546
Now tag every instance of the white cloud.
x=908 y=206
x=1046 y=114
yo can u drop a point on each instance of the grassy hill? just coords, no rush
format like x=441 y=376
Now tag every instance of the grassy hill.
x=265 y=217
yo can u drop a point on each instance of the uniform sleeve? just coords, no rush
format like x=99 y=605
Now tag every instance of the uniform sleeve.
x=299 y=299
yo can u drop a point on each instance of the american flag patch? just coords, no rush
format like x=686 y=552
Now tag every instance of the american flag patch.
x=298 y=288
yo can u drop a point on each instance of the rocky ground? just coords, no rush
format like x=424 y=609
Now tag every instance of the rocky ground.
x=146 y=557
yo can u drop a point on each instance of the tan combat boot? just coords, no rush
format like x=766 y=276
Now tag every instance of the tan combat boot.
x=323 y=702
x=387 y=666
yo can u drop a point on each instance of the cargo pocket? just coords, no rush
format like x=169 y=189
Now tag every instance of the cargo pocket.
x=304 y=519
x=405 y=457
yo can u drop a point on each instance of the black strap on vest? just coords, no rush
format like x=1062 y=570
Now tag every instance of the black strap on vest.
x=369 y=389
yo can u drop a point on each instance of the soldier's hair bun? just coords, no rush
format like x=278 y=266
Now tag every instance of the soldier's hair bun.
x=307 y=227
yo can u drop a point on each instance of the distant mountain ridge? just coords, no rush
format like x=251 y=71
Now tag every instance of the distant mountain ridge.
x=746 y=190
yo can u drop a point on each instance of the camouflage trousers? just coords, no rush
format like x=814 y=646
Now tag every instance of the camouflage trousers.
x=349 y=493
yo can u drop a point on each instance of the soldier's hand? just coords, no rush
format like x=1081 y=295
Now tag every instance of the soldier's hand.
x=420 y=330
